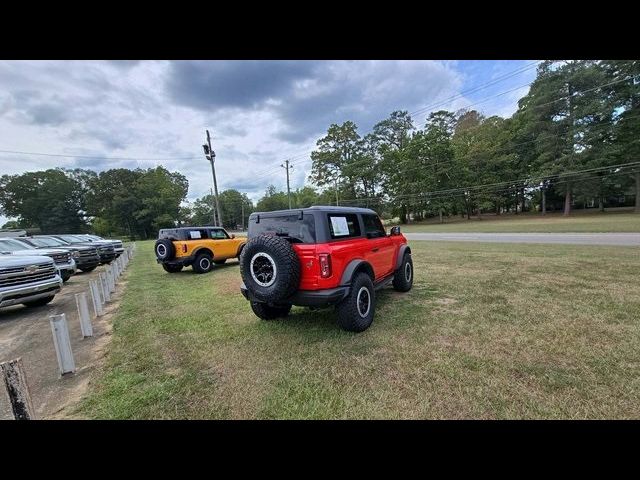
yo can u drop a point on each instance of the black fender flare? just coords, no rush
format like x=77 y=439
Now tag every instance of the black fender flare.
x=353 y=267
x=401 y=251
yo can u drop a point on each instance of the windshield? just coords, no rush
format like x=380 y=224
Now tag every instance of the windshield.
x=47 y=242
x=290 y=226
x=72 y=239
x=8 y=245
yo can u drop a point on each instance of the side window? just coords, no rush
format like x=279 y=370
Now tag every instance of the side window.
x=373 y=227
x=196 y=234
x=218 y=234
x=343 y=226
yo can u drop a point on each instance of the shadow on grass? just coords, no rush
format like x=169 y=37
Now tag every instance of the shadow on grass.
x=189 y=271
x=390 y=306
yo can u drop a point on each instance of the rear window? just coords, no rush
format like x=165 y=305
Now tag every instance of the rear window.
x=291 y=226
x=343 y=226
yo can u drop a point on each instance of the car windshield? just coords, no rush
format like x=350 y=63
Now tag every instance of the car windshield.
x=39 y=242
x=49 y=242
x=9 y=245
x=72 y=239
x=290 y=226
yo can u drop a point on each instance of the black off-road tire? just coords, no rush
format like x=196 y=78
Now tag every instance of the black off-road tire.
x=203 y=263
x=267 y=252
x=39 y=303
x=87 y=270
x=220 y=262
x=268 y=312
x=403 y=278
x=172 y=268
x=164 y=249
x=65 y=277
x=350 y=316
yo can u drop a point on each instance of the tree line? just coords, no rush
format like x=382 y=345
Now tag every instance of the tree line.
x=119 y=201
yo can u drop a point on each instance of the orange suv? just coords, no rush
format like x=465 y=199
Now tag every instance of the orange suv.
x=200 y=247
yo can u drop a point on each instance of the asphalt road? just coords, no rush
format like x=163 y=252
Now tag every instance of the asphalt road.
x=619 y=239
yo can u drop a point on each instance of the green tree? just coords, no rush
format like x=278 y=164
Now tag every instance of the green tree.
x=272 y=200
x=113 y=198
x=52 y=200
x=161 y=193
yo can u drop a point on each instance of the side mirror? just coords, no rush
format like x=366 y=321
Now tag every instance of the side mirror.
x=233 y=235
x=395 y=231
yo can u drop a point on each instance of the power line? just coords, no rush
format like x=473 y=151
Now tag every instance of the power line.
x=95 y=157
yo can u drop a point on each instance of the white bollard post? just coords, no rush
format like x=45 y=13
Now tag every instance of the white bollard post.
x=112 y=279
x=83 y=313
x=62 y=343
x=95 y=296
x=105 y=287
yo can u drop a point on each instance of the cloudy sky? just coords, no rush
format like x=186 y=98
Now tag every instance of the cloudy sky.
x=106 y=114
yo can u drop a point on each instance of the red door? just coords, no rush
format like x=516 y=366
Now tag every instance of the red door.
x=380 y=246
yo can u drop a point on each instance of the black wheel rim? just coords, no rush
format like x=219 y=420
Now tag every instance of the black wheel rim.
x=263 y=269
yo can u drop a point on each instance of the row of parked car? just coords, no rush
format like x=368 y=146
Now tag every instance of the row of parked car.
x=33 y=268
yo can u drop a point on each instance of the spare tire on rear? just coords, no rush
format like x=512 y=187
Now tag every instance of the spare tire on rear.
x=165 y=250
x=270 y=268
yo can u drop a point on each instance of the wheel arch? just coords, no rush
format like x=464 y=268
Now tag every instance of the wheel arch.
x=401 y=251
x=200 y=250
x=354 y=267
x=240 y=248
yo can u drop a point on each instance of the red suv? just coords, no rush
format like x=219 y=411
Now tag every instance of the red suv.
x=322 y=256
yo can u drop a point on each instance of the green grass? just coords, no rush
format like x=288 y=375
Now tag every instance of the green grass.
x=535 y=223
x=488 y=331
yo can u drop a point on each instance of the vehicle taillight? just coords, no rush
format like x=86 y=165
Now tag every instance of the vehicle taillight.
x=184 y=248
x=325 y=265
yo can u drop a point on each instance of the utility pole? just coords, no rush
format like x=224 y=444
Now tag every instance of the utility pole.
x=242 y=204
x=287 y=167
x=211 y=156
x=213 y=208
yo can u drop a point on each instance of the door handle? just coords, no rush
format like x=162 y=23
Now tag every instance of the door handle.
x=375 y=249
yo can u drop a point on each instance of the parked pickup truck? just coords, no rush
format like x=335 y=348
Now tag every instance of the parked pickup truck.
x=32 y=281
x=118 y=247
x=63 y=259
x=86 y=257
x=105 y=249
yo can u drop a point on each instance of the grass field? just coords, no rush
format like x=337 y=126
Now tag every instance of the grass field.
x=488 y=331
x=620 y=221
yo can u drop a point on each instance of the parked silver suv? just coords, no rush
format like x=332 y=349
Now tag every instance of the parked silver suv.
x=32 y=281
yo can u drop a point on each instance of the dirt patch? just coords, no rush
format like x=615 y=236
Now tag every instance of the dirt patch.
x=26 y=333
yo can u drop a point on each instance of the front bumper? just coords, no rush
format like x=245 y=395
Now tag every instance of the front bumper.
x=307 y=298
x=87 y=261
x=107 y=257
x=69 y=267
x=33 y=291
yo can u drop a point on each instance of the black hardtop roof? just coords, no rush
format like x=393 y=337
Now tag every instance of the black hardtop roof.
x=315 y=208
